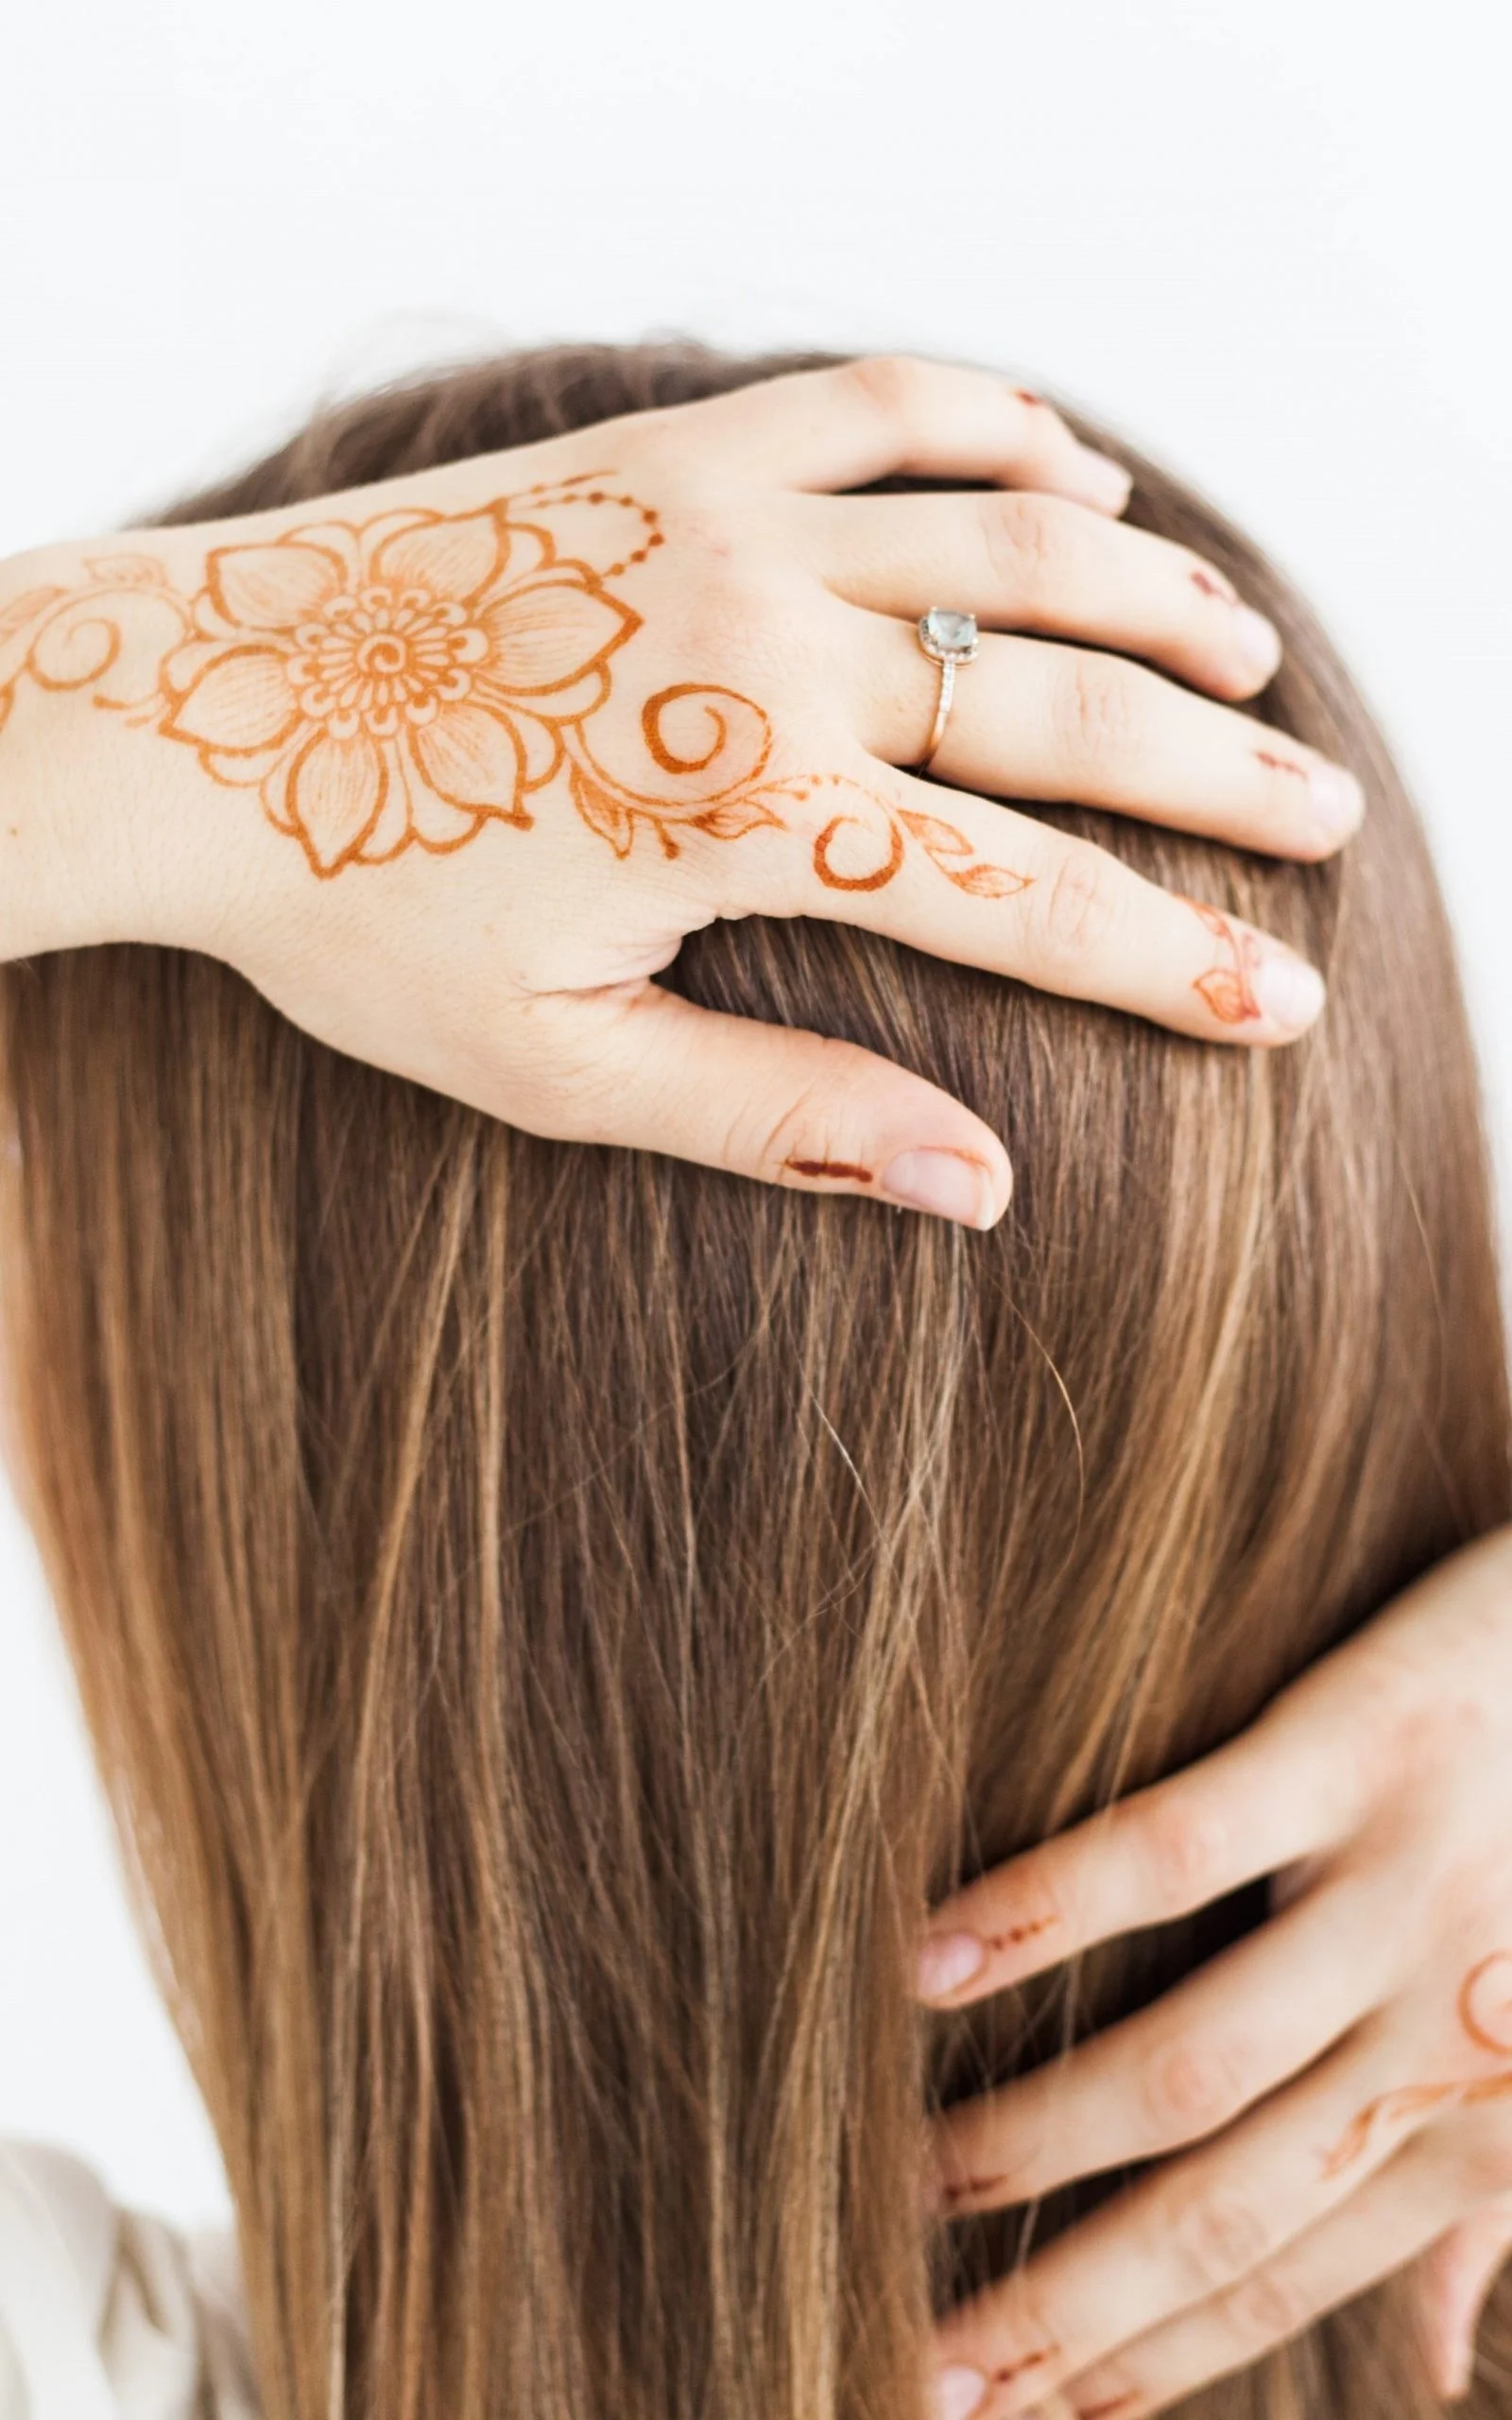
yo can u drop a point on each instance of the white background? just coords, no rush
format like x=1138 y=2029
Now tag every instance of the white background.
x=1270 y=240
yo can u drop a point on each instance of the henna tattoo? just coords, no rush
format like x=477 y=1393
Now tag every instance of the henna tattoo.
x=1227 y=987
x=1212 y=587
x=1280 y=764
x=401 y=683
x=1485 y=2003
x=948 y=850
x=966 y=2186
x=1484 y=2006
x=1386 y=2109
x=841 y=1170
x=1016 y=1933
x=1027 y=2361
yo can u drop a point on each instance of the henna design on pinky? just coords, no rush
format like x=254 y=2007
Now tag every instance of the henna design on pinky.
x=1214 y=587
x=402 y=682
x=1280 y=764
x=1484 y=2006
x=1227 y=987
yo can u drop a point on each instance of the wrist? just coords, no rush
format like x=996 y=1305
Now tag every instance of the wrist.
x=88 y=811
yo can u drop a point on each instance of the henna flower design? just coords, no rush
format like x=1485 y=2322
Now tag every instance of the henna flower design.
x=394 y=686
x=402 y=682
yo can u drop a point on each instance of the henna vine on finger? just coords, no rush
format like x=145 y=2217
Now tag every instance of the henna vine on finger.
x=1485 y=2009
x=402 y=682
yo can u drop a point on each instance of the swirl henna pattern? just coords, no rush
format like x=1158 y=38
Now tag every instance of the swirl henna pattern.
x=403 y=682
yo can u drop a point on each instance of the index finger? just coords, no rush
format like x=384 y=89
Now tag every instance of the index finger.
x=893 y=414
x=1255 y=1806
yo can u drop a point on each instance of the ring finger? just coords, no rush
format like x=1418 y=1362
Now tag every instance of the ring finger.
x=1036 y=721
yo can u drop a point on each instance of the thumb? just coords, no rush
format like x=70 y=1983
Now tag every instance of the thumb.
x=1453 y=2281
x=642 y=1067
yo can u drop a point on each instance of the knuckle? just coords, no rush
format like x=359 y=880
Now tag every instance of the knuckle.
x=1026 y=540
x=893 y=384
x=1267 y=2309
x=804 y=1133
x=1076 y=908
x=1101 y=705
x=1184 y=1851
x=1218 y=2237
x=1192 y=2087
x=1484 y=2149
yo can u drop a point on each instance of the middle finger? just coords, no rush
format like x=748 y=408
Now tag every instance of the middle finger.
x=1042 y=563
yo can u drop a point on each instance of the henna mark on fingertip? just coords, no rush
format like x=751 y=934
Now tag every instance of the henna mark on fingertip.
x=1280 y=764
x=843 y=1171
x=1227 y=987
x=1212 y=587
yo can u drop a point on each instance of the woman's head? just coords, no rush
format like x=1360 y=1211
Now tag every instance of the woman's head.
x=549 y=1617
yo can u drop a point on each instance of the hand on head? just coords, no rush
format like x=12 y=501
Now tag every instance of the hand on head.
x=450 y=766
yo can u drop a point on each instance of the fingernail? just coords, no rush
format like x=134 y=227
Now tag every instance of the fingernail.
x=1289 y=991
x=1104 y=482
x=1336 y=798
x=1258 y=642
x=945 y=1184
x=946 y=1961
x=957 y=2392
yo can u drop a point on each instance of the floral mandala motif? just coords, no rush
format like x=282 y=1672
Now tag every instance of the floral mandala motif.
x=393 y=684
x=402 y=683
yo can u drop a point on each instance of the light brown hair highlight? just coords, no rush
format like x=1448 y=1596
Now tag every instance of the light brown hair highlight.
x=549 y=1617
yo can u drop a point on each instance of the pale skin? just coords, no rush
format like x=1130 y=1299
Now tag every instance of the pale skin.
x=449 y=768
x=1326 y=2102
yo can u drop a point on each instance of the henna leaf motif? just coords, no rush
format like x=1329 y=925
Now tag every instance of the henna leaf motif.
x=735 y=817
x=603 y=812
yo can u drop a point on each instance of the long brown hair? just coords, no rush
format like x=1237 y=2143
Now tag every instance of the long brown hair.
x=549 y=1617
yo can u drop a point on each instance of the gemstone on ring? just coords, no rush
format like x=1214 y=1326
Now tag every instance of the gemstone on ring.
x=947 y=636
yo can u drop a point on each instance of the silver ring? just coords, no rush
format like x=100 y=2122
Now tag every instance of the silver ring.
x=949 y=639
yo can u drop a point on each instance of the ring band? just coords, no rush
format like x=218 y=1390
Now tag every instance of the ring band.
x=949 y=639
